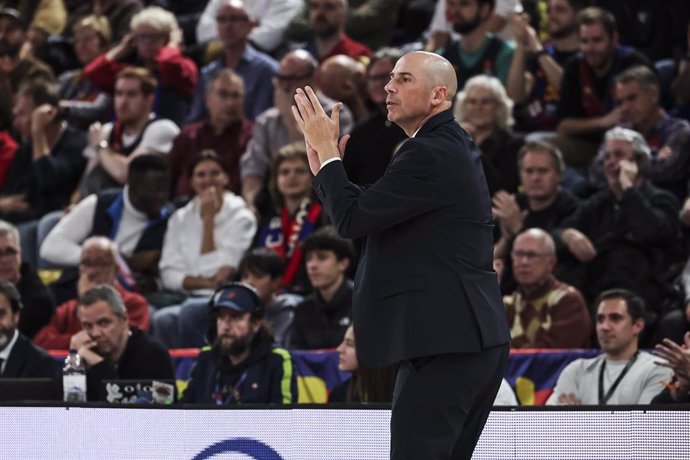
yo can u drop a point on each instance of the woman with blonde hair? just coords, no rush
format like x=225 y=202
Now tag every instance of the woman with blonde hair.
x=484 y=110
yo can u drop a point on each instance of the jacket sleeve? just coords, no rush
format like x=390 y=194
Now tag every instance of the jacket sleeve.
x=102 y=73
x=137 y=311
x=283 y=378
x=406 y=190
x=176 y=71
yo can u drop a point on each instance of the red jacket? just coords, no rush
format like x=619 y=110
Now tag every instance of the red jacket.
x=172 y=71
x=64 y=324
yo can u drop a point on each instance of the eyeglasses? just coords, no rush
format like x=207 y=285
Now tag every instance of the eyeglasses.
x=8 y=252
x=529 y=255
x=326 y=6
x=472 y=101
x=232 y=18
x=151 y=37
x=379 y=77
x=97 y=263
x=291 y=78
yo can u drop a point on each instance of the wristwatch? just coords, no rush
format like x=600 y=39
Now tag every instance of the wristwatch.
x=102 y=145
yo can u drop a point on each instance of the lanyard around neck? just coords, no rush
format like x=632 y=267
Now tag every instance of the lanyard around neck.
x=603 y=398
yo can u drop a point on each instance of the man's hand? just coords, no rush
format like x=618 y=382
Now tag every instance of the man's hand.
x=675 y=356
x=95 y=134
x=627 y=173
x=320 y=132
x=506 y=209
x=569 y=399
x=612 y=118
x=123 y=49
x=84 y=284
x=84 y=344
x=579 y=245
x=42 y=116
x=13 y=203
x=222 y=275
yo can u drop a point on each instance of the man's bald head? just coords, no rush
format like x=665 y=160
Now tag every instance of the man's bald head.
x=437 y=70
x=341 y=77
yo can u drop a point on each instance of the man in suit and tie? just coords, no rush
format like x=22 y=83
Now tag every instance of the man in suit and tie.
x=425 y=295
x=19 y=358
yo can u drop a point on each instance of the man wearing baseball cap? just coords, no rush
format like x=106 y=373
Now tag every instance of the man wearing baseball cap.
x=241 y=365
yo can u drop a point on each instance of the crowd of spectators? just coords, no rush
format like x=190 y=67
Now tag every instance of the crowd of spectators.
x=149 y=157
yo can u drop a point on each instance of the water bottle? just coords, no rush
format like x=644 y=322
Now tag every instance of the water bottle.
x=74 y=378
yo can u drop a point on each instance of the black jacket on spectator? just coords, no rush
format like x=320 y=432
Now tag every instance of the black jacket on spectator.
x=266 y=376
x=30 y=361
x=48 y=182
x=38 y=306
x=636 y=240
x=143 y=358
x=321 y=324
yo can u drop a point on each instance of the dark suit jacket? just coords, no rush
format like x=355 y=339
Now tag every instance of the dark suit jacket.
x=30 y=361
x=425 y=283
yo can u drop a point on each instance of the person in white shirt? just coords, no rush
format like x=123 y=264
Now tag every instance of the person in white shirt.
x=270 y=19
x=206 y=239
x=623 y=374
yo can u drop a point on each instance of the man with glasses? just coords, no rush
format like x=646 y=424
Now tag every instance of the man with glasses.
x=234 y=25
x=543 y=312
x=276 y=127
x=98 y=265
x=38 y=303
x=225 y=130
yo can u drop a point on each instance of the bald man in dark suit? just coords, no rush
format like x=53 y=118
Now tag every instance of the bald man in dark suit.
x=426 y=296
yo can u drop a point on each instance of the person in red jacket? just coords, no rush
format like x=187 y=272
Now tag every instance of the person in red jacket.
x=97 y=266
x=151 y=43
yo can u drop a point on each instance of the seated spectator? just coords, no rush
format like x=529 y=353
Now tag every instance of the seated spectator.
x=484 y=111
x=205 y=240
x=323 y=317
x=135 y=218
x=242 y=366
x=19 y=358
x=82 y=103
x=153 y=44
x=224 y=131
x=276 y=127
x=676 y=358
x=373 y=141
x=35 y=296
x=255 y=68
x=364 y=385
x=326 y=22
x=638 y=96
x=440 y=30
x=541 y=203
x=543 y=312
x=342 y=79
x=295 y=214
x=260 y=268
x=98 y=265
x=118 y=12
x=134 y=132
x=43 y=18
x=586 y=108
x=110 y=348
x=626 y=235
x=536 y=72
x=269 y=19
x=622 y=374
x=367 y=21
x=478 y=51
x=263 y=269
x=18 y=68
x=45 y=170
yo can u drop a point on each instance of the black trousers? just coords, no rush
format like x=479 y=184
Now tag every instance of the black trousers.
x=441 y=403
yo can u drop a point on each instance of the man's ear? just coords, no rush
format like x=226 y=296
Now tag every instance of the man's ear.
x=439 y=95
